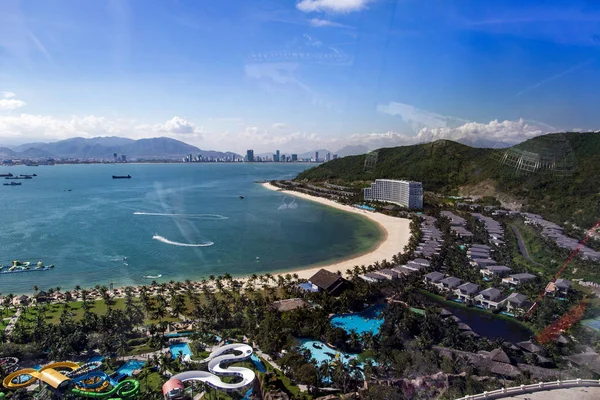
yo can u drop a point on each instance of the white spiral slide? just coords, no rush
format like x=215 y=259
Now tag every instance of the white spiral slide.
x=224 y=354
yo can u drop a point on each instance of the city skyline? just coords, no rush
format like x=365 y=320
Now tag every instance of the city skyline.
x=299 y=76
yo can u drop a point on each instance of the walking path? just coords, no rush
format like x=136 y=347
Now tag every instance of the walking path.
x=522 y=247
x=13 y=320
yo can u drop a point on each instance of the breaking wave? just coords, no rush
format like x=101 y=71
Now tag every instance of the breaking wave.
x=167 y=241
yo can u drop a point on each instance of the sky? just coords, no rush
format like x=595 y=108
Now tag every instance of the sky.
x=297 y=75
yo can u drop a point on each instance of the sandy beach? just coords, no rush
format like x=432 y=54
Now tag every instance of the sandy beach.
x=397 y=234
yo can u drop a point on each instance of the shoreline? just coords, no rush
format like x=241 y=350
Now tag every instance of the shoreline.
x=396 y=236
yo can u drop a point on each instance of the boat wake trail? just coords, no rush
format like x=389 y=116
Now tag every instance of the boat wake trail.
x=197 y=216
x=167 y=241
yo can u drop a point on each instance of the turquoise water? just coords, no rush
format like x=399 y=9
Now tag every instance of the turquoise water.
x=369 y=320
x=364 y=207
x=182 y=348
x=260 y=367
x=130 y=366
x=181 y=221
x=321 y=352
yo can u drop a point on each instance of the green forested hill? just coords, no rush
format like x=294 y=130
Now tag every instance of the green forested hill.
x=565 y=188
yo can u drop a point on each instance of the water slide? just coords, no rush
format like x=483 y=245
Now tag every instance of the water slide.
x=63 y=383
x=222 y=355
x=128 y=389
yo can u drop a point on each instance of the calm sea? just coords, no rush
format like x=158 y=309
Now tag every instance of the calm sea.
x=182 y=221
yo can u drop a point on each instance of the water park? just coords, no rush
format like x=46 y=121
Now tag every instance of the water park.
x=217 y=360
x=66 y=379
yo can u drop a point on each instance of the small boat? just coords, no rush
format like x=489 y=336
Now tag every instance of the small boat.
x=13 y=184
x=27 y=175
x=242 y=197
x=6 y=175
x=152 y=276
x=121 y=176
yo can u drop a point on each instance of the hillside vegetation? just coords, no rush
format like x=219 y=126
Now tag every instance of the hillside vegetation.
x=445 y=166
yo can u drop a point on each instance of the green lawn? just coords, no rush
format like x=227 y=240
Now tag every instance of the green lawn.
x=99 y=307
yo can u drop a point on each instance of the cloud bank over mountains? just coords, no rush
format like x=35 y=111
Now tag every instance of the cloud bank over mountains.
x=424 y=126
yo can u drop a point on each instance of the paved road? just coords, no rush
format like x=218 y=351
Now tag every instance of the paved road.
x=522 y=247
x=578 y=393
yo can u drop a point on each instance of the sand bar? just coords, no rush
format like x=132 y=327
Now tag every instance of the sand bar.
x=397 y=235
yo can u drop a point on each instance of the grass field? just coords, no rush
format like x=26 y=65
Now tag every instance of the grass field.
x=99 y=307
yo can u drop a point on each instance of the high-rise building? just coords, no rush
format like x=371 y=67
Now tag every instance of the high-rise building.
x=250 y=155
x=123 y=158
x=404 y=193
x=294 y=157
x=316 y=156
x=328 y=157
x=334 y=157
x=277 y=156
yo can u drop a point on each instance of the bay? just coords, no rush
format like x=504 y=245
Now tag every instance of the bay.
x=181 y=221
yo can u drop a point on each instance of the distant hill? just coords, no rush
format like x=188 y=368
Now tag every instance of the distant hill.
x=5 y=152
x=311 y=154
x=563 y=187
x=105 y=147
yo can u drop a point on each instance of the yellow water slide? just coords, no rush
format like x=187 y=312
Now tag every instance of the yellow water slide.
x=48 y=374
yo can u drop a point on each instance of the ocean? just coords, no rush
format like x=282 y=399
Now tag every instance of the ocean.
x=181 y=221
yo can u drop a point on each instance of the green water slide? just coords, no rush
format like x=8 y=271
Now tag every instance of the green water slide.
x=126 y=390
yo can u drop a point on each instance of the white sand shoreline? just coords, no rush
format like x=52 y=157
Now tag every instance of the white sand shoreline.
x=397 y=232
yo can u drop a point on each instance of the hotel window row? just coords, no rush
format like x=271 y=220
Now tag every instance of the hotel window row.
x=404 y=193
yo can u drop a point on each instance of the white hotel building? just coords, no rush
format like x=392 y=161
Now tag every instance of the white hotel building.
x=404 y=193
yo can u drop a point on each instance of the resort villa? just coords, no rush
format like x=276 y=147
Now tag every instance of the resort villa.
x=449 y=283
x=466 y=291
x=517 y=304
x=490 y=298
x=518 y=279
x=559 y=288
x=495 y=270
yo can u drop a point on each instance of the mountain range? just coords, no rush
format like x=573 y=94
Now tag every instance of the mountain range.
x=105 y=147
x=555 y=175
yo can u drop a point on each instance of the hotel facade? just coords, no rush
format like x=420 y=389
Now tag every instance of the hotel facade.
x=404 y=193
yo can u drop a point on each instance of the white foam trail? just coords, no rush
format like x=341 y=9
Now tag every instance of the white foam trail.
x=167 y=241
x=200 y=216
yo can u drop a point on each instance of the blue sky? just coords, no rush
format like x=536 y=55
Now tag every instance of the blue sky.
x=297 y=75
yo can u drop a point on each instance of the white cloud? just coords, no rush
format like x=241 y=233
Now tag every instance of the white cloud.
x=418 y=118
x=178 y=125
x=312 y=42
x=505 y=132
x=8 y=103
x=325 y=23
x=11 y=104
x=278 y=125
x=29 y=127
x=335 y=6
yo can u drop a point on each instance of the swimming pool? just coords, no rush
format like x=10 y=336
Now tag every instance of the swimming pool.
x=129 y=367
x=363 y=207
x=321 y=352
x=180 y=348
x=369 y=320
x=178 y=334
x=96 y=359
